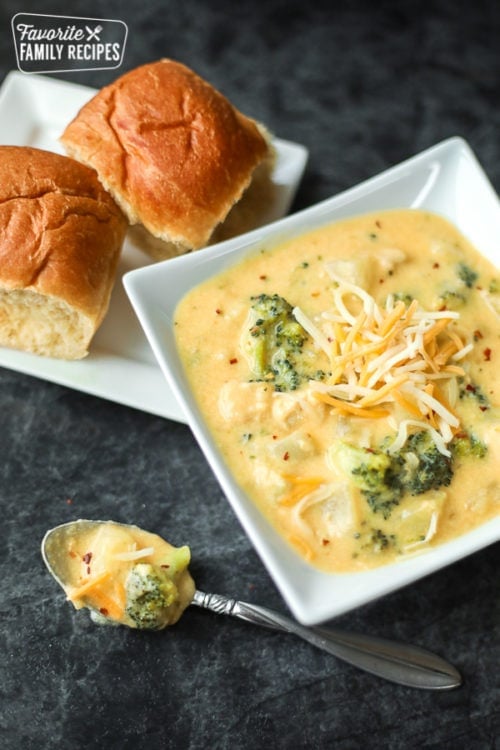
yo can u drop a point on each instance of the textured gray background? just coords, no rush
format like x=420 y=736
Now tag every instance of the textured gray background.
x=363 y=86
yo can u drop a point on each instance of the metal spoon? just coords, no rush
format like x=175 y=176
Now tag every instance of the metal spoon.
x=397 y=662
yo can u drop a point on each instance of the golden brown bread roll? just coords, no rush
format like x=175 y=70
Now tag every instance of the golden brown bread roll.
x=171 y=150
x=60 y=240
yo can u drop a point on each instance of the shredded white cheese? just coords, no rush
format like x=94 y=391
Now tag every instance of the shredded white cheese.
x=312 y=330
x=135 y=554
x=389 y=360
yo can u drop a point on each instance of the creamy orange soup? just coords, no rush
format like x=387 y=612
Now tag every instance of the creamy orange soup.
x=364 y=420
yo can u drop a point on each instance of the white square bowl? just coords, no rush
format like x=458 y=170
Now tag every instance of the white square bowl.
x=446 y=179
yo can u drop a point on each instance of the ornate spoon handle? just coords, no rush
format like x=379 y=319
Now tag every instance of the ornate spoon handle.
x=398 y=662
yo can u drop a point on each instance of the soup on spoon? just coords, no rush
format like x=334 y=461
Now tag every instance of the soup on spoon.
x=121 y=573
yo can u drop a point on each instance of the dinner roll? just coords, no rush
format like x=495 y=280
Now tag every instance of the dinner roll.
x=172 y=151
x=60 y=240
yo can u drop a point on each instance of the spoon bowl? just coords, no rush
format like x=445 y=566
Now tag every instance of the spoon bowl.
x=54 y=547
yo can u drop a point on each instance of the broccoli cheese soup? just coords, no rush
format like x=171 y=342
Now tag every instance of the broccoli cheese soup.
x=348 y=377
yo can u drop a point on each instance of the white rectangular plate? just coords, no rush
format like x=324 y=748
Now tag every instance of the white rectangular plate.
x=34 y=111
x=446 y=179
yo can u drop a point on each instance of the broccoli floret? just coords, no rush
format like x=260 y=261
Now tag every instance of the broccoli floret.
x=150 y=592
x=384 y=477
x=274 y=343
x=423 y=466
x=373 y=472
x=466 y=274
x=275 y=315
x=465 y=445
x=286 y=377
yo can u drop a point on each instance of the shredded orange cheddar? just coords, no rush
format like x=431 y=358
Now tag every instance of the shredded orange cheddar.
x=88 y=585
x=302 y=487
x=106 y=604
x=347 y=407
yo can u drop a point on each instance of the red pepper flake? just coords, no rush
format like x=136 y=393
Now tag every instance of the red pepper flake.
x=165 y=565
x=72 y=554
x=378 y=224
x=86 y=559
x=483 y=408
x=435 y=265
x=218 y=311
x=325 y=542
x=233 y=360
x=103 y=611
x=477 y=335
x=263 y=277
x=286 y=456
x=487 y=354
x=275 y=437
x=471 y=388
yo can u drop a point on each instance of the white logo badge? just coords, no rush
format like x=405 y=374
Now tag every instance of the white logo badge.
x=60 y=44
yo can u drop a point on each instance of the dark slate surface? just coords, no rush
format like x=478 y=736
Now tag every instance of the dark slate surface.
x=363 y=86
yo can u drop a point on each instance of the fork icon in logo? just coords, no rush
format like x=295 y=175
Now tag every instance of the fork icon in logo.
x=93 y=34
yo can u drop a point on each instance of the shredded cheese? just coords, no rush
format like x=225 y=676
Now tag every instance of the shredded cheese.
x=111 y=602
x=431 y=531
x=312 y=330
x=107 y=605
x=388 y=360
x=88 y=585
x=301 y=486
x=135 y=554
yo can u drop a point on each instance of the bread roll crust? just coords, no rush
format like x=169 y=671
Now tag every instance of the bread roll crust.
x=172 y=150
x=61 y=236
